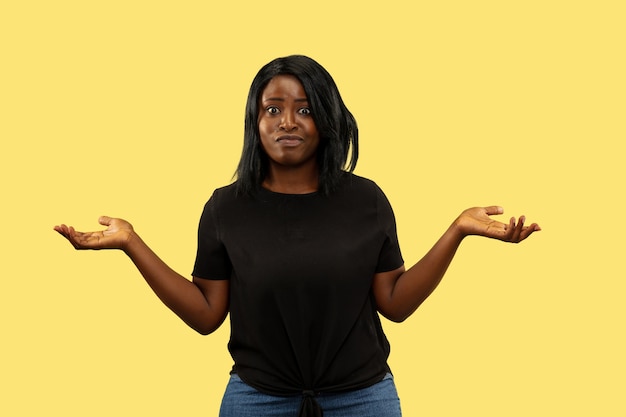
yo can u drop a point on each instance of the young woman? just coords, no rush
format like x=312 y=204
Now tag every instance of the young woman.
x=304 y=255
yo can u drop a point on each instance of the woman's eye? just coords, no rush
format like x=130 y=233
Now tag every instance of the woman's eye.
x=272 y=110
x=305 y=111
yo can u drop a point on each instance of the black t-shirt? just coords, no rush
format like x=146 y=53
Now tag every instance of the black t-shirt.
x=302 y=313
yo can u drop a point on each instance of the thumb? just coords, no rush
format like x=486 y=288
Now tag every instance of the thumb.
x=492 y=210
x=105 y=220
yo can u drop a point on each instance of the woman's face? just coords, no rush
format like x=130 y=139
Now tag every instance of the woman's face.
x=288 y=133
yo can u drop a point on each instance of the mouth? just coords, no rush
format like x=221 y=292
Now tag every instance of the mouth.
x=289 y=139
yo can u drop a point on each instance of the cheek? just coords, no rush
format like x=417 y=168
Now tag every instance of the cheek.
x=263 y=128
x=312 y=128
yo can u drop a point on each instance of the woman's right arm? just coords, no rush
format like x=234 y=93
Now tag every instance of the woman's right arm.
x=202 y=304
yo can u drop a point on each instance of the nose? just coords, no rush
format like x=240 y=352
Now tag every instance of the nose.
x=287 y=121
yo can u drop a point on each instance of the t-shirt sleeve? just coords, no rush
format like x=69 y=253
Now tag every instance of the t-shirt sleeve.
x=212 y=261
x=390 y=257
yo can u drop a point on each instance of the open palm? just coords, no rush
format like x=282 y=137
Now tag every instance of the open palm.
x=477 y=221
x=116 y=236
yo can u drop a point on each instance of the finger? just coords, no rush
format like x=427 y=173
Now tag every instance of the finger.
x=527 y=231
x=509 y=229
x=73 y=237
x=62 y=230
x=518 y=229
x=493 y=210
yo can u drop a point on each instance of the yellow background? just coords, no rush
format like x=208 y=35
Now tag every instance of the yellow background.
x=135 y=109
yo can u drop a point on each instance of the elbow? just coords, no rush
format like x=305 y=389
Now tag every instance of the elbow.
x=397 y=315
x=399 y=319
x=204 y=330
x=206 y=327
x=396 y=318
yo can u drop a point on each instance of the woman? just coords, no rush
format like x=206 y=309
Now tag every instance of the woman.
x=304 y=255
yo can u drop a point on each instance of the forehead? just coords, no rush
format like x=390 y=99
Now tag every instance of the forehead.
x=283 y=87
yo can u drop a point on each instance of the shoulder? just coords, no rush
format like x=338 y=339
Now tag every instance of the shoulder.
x=223 y=194
x=365 y=191
x=220 y=201
x=354 y=183
x=228 y=190
x=352 y=180
x=223 y=204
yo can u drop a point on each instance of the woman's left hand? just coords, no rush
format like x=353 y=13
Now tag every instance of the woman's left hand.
x=476 y=221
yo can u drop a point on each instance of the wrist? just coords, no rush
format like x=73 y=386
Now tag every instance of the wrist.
x=457 y=230
x=131 y=242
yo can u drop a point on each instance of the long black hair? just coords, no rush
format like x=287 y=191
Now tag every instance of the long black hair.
x=339 y=135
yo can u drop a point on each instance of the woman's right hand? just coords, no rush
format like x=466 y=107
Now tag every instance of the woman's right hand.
x=117 y=235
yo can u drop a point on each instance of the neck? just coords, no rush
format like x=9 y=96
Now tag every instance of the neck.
x=292 y=180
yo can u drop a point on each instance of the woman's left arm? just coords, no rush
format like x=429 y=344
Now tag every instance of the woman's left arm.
x=400 y=292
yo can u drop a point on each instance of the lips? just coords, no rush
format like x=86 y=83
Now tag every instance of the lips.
x=289 y=140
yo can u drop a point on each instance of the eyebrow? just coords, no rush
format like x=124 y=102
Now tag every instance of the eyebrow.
x=299 y=100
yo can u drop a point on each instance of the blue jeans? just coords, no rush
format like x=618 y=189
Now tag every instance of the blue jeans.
x=379 y=400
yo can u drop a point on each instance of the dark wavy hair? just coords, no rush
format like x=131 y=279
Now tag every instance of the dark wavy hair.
x=339 y=135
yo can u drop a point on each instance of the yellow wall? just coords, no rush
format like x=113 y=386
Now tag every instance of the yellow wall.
x=135 y=109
